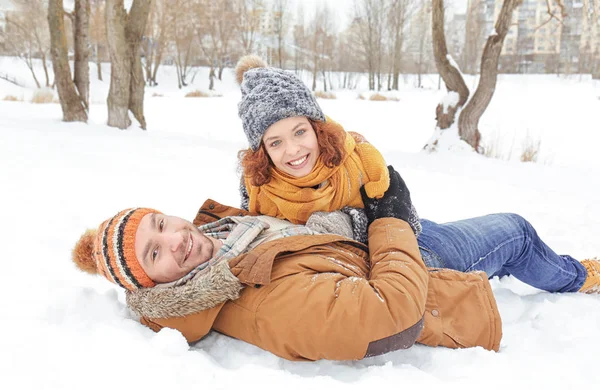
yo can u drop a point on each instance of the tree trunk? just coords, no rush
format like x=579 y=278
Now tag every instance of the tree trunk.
x=30 y=66
x=279 y=52
x=211 y=77
x=157 y=61
x=468 y=120
x=81 y=66
x=70 y=102
x=397 y=59
x=45 y=66
x=177 y=72
x=315 y=70
x=120 y=65
x=452 y=77
x=98 y=62
x=596 y=68
x=148 y=61
x=124 y=35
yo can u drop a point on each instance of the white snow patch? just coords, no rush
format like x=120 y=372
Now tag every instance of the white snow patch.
x=60 y=178
x=450 y=100
x=170 y=342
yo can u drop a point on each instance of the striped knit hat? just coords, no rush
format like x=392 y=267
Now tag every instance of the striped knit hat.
x=110 y=250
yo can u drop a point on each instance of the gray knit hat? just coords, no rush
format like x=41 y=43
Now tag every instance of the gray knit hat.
x=270 y=95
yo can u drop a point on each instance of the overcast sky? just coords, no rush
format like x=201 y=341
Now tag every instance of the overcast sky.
x=342 y=8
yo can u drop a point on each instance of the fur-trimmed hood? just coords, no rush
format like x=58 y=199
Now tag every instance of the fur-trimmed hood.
x=205 y=291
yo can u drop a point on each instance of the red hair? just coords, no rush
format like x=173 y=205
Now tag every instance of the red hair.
x=330 y=136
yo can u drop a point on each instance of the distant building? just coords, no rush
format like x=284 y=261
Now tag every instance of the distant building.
x=537 y=43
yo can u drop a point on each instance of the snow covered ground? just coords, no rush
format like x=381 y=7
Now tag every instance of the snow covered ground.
x=62 y=329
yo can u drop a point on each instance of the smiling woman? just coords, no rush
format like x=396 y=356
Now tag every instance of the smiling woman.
x=300 y=161
x=292 y=145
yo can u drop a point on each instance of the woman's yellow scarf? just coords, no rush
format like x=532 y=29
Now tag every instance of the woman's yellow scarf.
x=324 y=189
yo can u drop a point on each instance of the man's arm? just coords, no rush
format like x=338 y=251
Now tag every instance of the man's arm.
x=329 y=315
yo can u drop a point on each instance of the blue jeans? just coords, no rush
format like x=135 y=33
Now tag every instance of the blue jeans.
x=499 y=245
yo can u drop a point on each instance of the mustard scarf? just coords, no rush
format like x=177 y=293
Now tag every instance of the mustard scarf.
x=323 y=189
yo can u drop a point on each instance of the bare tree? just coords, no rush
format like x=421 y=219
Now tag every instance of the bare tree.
x=399 y=13
x=468 y=121
x=469 y=117
x=216 y=32
x=98 y=33
x=423 y=37
x=72 y=103
x=81 y=66
x=380 y=10
x=226 y=30
x=280 y=28
x=327 y=45
x=593 y=15
x=315 y=37
x=345 y=61
x=299 y=38
x=157 y=37
x=596 y=65
x=248 y=13
x=447 y=68
x=321 y=45
x=124 y=34
x=27 y=35
x=182 y=15
x=369 y=15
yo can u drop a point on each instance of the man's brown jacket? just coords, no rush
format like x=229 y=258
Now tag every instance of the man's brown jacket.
x=327 y=297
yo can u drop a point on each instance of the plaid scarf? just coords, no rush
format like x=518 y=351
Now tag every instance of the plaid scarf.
x=239 y=235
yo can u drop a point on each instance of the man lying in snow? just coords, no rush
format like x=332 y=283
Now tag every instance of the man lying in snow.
x=305 y=295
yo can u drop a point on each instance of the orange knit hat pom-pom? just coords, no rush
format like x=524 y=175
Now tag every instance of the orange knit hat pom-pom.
x=82 y=253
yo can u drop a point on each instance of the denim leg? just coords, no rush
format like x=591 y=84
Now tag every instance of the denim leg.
x=499 y=245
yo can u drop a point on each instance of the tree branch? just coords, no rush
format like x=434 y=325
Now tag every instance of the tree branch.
x=552 y=14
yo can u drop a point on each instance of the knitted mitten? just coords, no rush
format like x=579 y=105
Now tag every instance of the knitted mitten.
x=395 y=203
x=359 y=223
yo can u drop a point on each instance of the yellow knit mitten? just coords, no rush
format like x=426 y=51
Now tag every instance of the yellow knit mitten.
x=592 y=281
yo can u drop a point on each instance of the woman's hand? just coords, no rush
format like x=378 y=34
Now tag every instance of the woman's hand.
x=395 y=203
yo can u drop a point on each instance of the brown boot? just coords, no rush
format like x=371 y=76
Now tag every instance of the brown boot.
x=592 y=281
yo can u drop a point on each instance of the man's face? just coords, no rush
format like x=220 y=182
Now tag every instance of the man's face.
x=292 y=145
x=170 y=247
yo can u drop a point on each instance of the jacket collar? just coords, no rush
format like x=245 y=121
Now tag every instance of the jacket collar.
x=206 y=291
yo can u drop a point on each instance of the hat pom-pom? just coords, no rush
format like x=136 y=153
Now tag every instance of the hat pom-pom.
x=246 y=63
x=82 y=253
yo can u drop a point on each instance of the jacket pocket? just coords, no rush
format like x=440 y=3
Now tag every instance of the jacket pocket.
x=465 y=311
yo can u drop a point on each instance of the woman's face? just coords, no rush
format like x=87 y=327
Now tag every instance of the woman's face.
x=292 y=145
